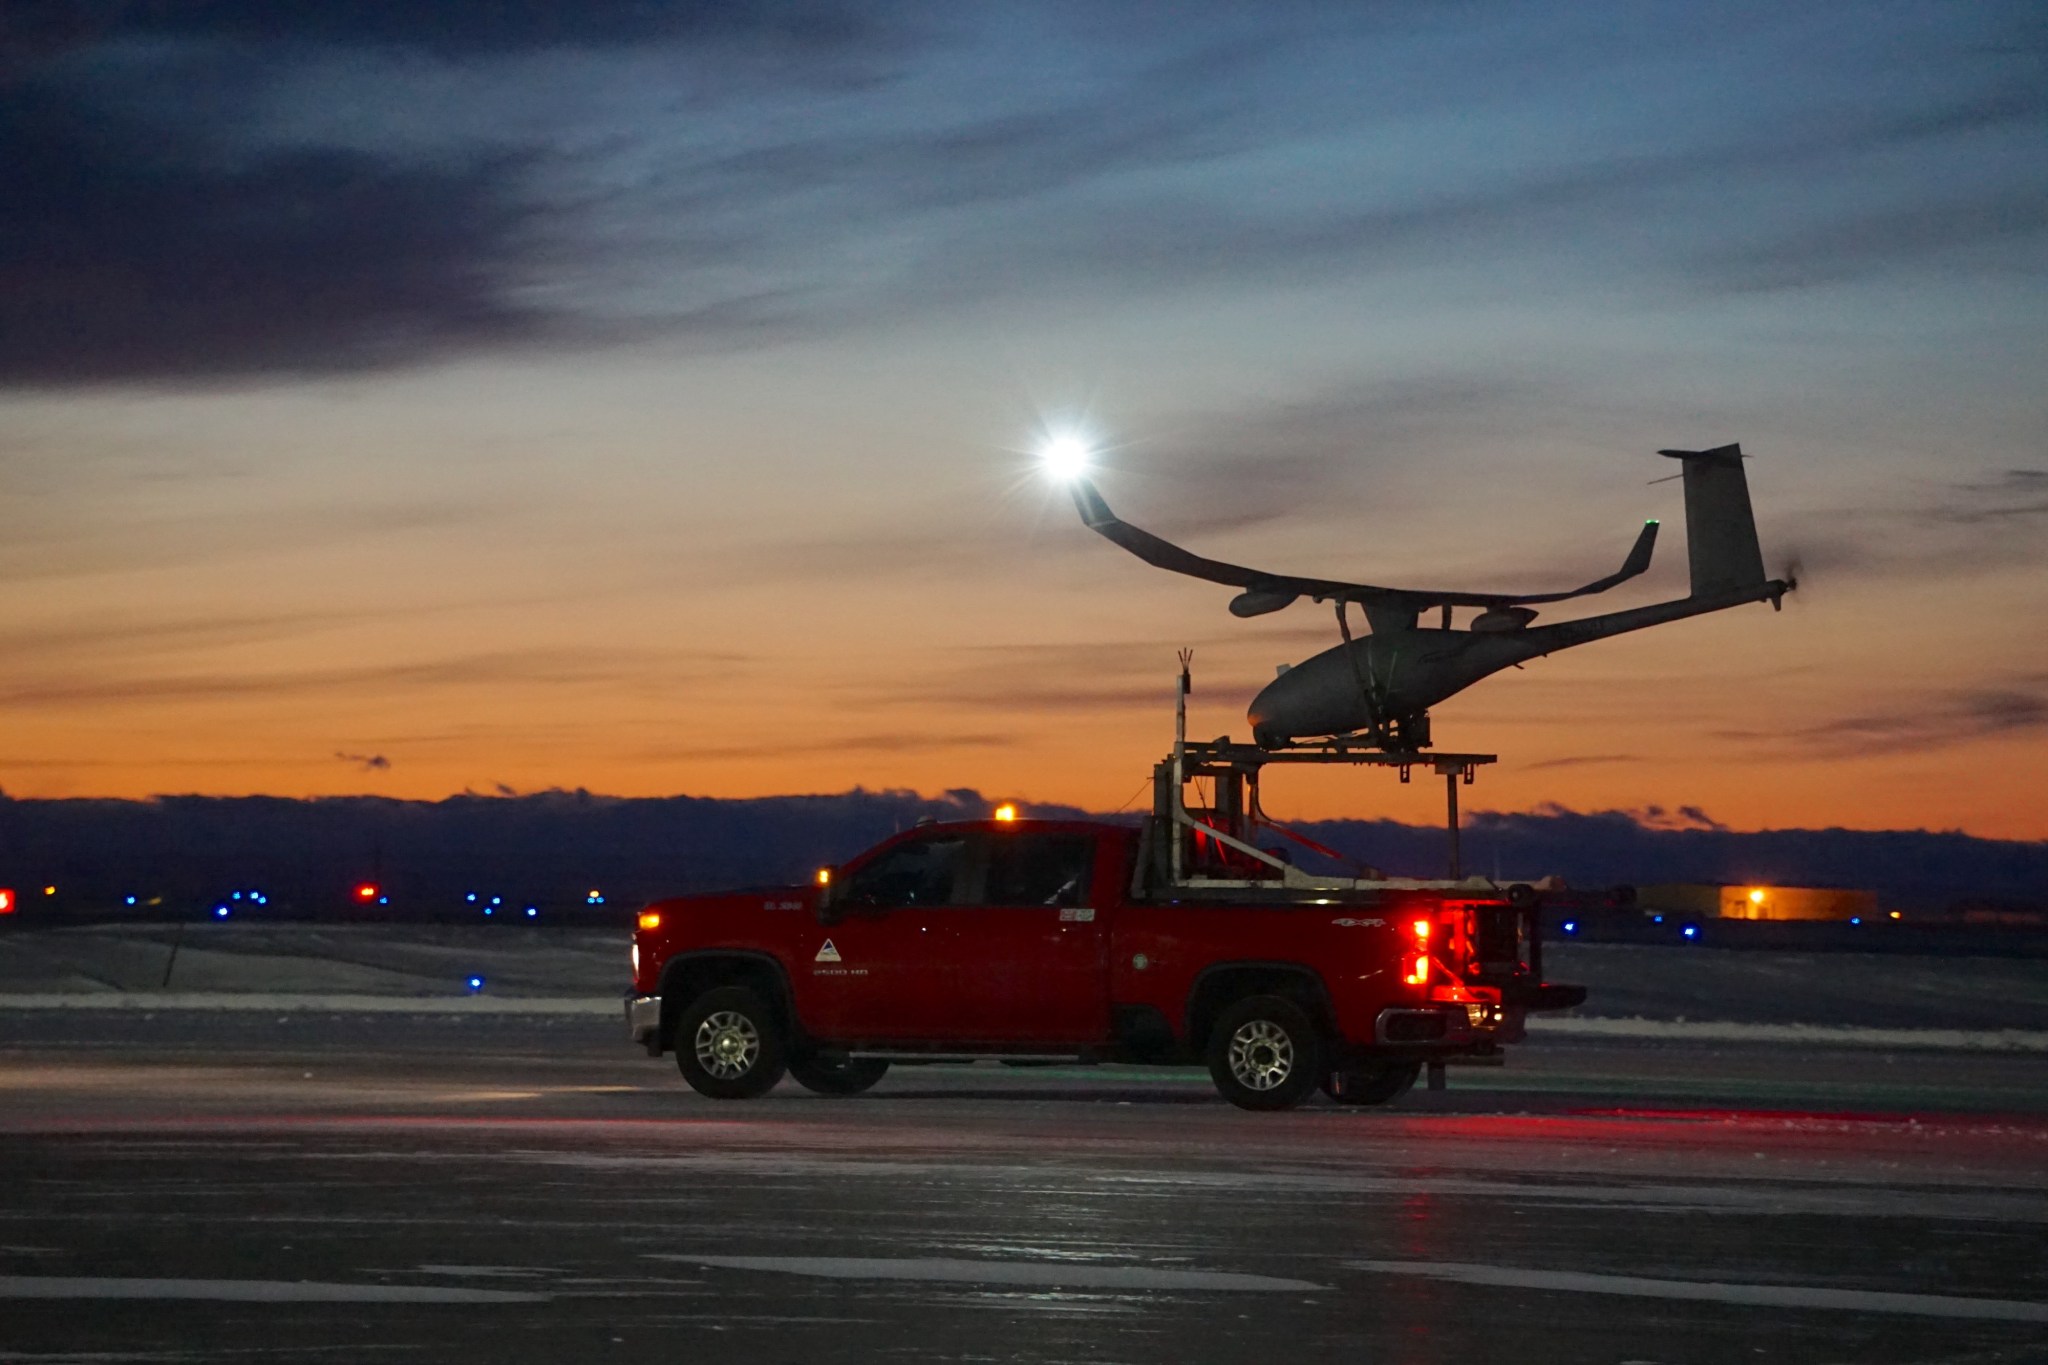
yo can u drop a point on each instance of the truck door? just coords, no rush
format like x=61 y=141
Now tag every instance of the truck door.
x=872 y=974
x=962 y=937
x=1025 y=958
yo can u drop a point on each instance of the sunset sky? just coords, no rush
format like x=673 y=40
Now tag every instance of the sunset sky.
x=410 y=398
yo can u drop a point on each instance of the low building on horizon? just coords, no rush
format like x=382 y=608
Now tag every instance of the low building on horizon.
x=1706 y=900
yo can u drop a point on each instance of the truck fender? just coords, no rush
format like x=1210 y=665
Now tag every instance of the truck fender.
x=688 y=975
x=1220 y=983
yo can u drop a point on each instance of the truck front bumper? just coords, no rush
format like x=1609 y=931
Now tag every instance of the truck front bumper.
x=643 y=1022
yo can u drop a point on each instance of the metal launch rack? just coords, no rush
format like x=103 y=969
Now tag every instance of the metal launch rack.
x=1215 y=846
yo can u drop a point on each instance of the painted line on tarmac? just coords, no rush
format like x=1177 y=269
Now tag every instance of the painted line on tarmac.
x=1037 y=1274
x=1826 y=1035
x=248 y=1291
x=1708 y=1291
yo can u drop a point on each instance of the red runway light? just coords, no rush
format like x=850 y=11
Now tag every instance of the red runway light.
x=366 y=892
x=6 y=901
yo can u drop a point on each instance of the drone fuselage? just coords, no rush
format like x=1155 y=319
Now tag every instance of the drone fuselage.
x=1394 y=676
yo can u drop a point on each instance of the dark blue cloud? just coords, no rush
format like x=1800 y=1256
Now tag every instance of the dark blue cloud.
x=447 y=28
x=129 y=254
x=189 y=197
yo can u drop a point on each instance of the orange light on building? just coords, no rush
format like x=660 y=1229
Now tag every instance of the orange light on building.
x=1756 y=895
x=1006 y=812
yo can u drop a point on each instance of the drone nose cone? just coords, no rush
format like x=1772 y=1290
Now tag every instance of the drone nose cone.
x=1279 y=711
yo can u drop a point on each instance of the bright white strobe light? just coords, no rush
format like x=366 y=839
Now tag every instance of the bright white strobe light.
x=1065 y=458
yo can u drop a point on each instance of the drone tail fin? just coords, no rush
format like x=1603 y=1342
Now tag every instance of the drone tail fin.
x=1720 y=528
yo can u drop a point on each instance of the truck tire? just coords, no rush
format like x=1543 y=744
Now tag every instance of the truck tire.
x=1265 y=1053
x=1375 y=1084
x=841 y=1076
x=729 y=1044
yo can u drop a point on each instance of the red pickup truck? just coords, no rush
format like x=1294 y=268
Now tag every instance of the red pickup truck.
x=1050 y=939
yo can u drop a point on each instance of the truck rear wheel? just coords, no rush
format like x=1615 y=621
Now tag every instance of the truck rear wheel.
x=729 y=1045
x=1374 y=1084
x=840 y=1076
x=1265 y=1053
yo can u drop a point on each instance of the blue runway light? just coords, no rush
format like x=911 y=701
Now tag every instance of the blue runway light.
x=472 y=896
x=497 y=900
x=488 y=910
x=220 y=912
x=131 y=900
x=476 y=983
x=1691 y=931
x=383 y=900
x=234 y=895
x=1656 y=919
x=531 y=912
x=1855 y=919
x=1571 y=926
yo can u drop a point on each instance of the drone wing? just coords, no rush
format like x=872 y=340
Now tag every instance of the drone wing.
x=1264 y=592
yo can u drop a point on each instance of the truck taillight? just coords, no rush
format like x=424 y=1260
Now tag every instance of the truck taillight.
x=1418 y=960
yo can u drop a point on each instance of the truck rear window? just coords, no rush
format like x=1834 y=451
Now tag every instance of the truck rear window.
x=1039 y=869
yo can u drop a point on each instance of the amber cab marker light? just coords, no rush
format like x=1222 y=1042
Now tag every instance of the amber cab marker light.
x=824 y=876
x=650 y=919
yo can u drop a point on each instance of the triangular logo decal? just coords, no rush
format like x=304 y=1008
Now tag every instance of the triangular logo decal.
x=827 y=953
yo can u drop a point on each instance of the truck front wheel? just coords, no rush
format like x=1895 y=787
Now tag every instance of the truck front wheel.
x=729 y=1045
x=1264 y=1053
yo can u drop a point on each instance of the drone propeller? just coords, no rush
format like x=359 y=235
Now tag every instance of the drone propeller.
x=1795 y=567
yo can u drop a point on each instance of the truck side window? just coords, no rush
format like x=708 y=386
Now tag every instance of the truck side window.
x=919 y=873
x=1038 y=869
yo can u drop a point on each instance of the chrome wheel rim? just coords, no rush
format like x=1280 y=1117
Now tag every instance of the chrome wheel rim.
x=1261 y=1055
x=727 y=1045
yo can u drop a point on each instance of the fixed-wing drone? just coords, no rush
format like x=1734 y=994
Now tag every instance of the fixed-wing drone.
x=1380 y=688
